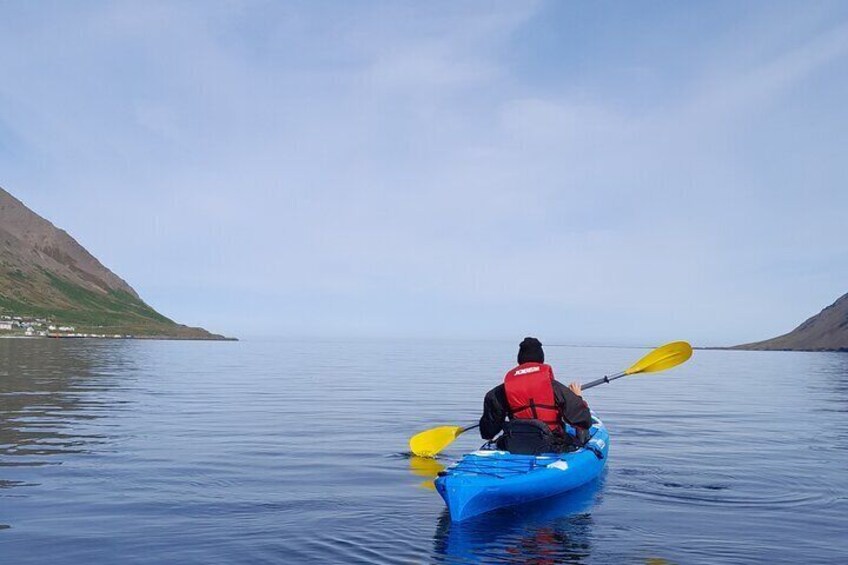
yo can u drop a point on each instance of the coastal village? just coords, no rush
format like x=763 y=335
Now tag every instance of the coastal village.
x=21 y=326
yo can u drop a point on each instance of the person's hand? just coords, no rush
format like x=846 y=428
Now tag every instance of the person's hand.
x=576 y=389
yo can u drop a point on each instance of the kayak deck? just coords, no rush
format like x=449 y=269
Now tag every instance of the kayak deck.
x=486 y=480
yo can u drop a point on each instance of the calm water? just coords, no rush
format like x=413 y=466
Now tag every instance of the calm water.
x=287 y=452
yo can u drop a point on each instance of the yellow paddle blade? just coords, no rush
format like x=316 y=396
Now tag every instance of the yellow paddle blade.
x=662 y=358
x=430 y=442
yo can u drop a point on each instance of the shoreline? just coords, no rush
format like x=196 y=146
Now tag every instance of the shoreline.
x=738 y=348
x=122 y=338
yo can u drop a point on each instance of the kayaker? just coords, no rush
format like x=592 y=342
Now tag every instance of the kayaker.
x=531 y=407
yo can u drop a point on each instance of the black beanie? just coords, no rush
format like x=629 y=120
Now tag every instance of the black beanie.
x=530 y=351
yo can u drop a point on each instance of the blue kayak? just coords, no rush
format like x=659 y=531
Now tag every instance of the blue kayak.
x=489 y=479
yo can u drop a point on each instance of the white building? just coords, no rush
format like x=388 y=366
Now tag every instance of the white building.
x=6 y=324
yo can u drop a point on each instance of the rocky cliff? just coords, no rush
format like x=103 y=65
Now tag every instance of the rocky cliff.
x=826 y=331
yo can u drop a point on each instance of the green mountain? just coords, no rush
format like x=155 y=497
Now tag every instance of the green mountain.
x=45 y=273
x=826 y=331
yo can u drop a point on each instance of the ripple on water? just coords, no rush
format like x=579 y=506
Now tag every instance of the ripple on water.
x=715 y=489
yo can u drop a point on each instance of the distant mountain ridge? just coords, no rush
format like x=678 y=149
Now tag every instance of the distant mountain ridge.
x=826 y=331
x=44 y=272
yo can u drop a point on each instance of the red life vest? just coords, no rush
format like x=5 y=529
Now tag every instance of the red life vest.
x=530 y=394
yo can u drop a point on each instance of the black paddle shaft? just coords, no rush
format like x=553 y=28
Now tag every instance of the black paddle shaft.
x=603 y=380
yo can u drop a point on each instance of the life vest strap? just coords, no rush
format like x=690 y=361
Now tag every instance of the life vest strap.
x=557 y=421
x=526 y=406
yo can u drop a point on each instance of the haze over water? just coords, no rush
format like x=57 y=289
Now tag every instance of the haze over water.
x=295 y=451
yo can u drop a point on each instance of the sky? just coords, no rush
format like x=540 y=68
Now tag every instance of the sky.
x=587 y=172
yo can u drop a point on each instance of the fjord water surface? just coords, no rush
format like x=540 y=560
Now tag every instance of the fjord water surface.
x=295 y=452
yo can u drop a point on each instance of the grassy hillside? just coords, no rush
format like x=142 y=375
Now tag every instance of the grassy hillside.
x=46 y=273
x=42 y=294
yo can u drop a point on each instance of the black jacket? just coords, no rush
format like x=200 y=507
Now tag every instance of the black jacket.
x=574 y=409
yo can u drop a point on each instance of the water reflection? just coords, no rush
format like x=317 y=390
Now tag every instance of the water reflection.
x=555 y=530
x=830 y=387
x=51 y=392
x=426 y=467
x=834 y=369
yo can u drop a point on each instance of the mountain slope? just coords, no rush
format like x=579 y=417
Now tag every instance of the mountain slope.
x=826 y=331
x=44 y=272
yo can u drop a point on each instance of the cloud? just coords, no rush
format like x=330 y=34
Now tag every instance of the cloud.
x=399 y=169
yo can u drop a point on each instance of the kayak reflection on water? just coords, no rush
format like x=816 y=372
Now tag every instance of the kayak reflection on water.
x=553 y=530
